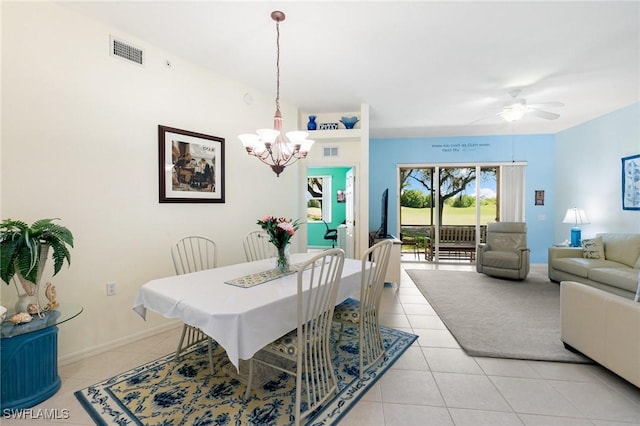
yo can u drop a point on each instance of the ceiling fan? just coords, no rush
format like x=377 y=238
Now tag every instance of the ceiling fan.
x=516 y=108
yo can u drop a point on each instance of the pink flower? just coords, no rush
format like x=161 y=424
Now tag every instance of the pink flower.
x=287 y=227
x=266 y=218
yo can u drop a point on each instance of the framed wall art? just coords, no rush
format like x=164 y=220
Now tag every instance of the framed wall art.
x=631 y=182
x=191 y=167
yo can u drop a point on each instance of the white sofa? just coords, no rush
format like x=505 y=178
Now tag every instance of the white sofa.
x=613 y=267
x=603 y=326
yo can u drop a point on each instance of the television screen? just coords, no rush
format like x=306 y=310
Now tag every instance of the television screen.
x=384 y=209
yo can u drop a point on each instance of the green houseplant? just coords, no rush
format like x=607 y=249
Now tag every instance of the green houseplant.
x=24 y=250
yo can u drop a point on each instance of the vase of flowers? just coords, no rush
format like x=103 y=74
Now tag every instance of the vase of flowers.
x=280 y=231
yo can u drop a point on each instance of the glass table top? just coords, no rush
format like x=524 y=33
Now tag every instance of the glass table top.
x=63 y=313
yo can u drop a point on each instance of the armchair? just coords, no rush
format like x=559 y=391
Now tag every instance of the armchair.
x=505 y=254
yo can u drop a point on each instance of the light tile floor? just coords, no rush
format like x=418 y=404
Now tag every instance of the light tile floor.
x=433 y=383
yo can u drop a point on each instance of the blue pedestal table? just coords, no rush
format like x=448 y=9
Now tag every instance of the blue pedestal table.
x=29 y=358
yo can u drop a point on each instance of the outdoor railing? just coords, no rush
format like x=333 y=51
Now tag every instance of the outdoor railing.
x=455 y=241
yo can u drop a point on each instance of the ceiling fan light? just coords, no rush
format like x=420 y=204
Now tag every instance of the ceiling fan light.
x=514 y=112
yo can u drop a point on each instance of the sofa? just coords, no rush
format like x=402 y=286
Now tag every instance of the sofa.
x=603 y=326
x=609 y=262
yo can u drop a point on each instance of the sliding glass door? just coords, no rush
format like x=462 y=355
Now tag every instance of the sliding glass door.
x=445 y=208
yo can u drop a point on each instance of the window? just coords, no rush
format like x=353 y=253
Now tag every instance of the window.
x=319 y=198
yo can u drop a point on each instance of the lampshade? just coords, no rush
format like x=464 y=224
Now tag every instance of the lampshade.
x=576 y=216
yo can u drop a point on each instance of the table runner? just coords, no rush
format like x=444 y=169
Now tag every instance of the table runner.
x=257 y=278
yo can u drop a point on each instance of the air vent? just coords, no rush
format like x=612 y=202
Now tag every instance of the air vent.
x=331 y=151
x=126 y=51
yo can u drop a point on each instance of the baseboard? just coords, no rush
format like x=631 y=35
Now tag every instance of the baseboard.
x=95 y=350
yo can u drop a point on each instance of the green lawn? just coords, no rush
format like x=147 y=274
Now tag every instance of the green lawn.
x=451 y=215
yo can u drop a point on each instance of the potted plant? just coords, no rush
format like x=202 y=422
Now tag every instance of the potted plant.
x=24 y=250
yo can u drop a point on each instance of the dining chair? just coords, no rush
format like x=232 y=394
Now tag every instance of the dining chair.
x=364 y=313
x=308 y=345
x=257 y=246
x=193 y=254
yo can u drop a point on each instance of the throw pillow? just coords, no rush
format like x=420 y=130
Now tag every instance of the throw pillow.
x=593 y=248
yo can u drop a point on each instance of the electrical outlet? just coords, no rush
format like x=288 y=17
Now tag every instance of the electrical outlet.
x=111 y=288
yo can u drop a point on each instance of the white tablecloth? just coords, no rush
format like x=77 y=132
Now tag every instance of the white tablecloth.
x=242 y=320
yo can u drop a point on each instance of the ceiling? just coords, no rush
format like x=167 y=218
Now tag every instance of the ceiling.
x=426 y=68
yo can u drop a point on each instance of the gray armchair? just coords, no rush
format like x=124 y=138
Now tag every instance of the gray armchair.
x=505 y=254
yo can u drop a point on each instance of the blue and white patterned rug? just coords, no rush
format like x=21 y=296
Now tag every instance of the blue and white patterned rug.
x=169 y=393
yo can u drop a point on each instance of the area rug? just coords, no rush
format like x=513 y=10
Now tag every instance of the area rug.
x=498 y=318
x=166 y=392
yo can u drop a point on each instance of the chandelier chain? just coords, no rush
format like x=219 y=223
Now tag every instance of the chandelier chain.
x=277 y=65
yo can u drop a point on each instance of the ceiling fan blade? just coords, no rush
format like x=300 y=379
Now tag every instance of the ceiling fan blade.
x=480 y=119
x=547 y=104
x=544 y=114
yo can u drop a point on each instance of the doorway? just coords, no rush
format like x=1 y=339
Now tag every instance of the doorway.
x=328 y=200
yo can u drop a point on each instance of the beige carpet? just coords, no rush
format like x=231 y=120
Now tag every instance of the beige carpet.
x=498 y=318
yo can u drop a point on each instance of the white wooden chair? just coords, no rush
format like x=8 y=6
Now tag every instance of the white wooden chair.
x=257 y=246
x=308 y=345
x=364 y=313
x=192 y=254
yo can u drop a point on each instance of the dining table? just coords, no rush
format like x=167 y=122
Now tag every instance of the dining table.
x=243 y=307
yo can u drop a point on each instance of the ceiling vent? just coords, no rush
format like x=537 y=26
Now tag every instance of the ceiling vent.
x=126 y=51
x=330 y=151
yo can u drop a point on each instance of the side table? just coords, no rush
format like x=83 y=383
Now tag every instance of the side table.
x=29 y=358
x=393 y=270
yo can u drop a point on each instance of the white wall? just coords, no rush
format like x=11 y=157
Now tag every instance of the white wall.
x=589 y=172
x=80 y=143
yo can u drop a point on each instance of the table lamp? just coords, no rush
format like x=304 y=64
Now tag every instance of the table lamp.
x=577 y=217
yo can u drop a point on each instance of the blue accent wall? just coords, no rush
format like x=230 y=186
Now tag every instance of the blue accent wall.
x=595 y=149
x=385 y=155
x=316 y=230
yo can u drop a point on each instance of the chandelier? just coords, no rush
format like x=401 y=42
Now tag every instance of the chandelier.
x=268 y=145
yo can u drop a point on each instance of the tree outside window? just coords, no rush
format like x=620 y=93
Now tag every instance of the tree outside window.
x=319 y=198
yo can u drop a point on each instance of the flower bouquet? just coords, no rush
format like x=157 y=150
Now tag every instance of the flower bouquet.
x=280 y=231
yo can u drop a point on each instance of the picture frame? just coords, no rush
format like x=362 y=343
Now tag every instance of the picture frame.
x=191 y=166
x=631 y=182
x=539 y=198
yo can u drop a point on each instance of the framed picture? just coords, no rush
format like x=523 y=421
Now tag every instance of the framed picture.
x=191 y=167
x=539 y=197
x=631 y=182
x=341 y=196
